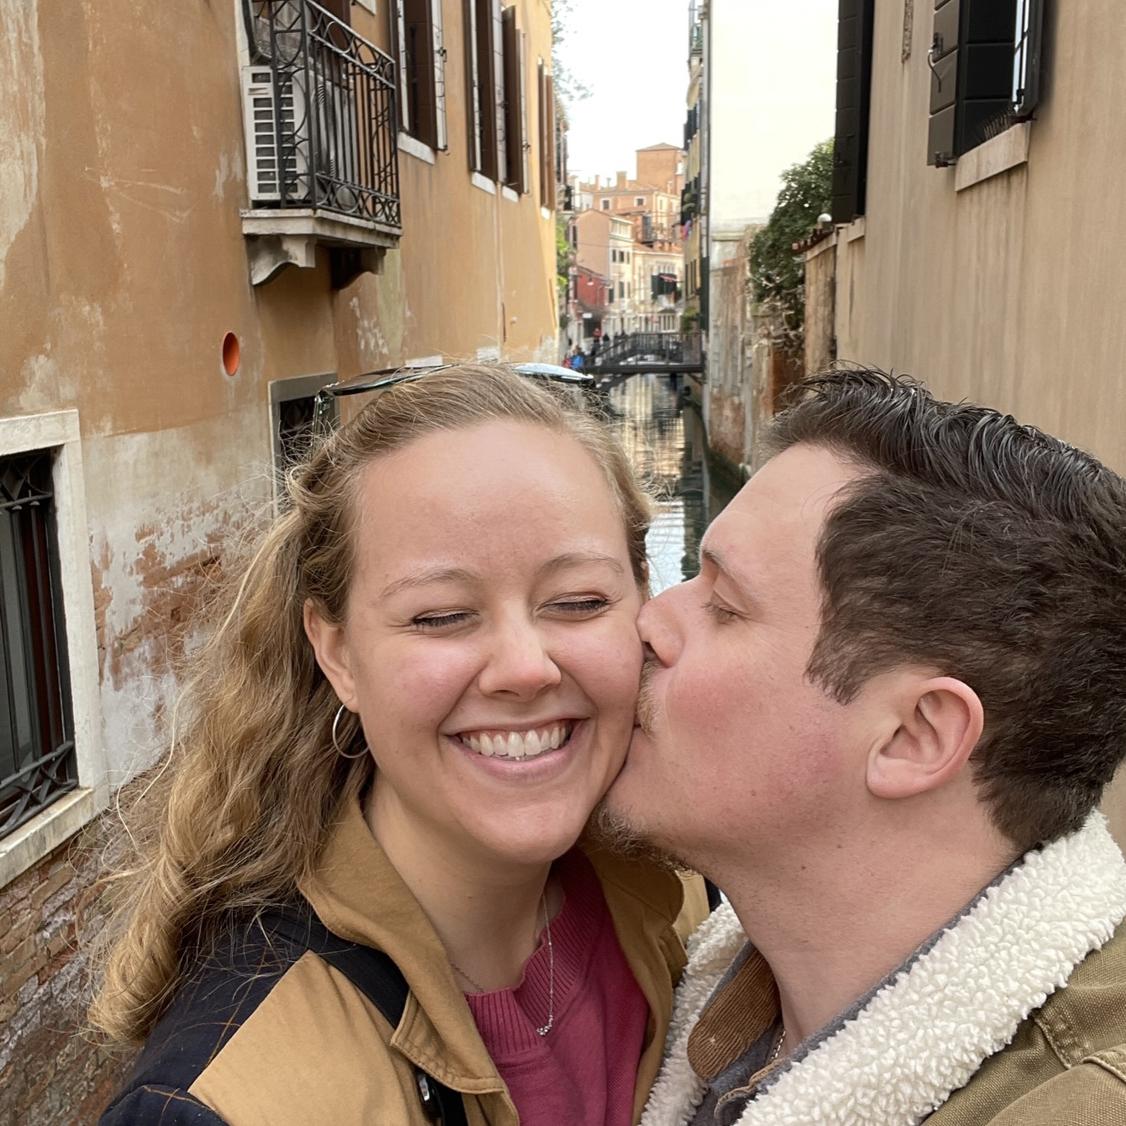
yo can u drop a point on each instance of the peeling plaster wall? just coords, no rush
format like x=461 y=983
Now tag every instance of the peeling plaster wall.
x=123 y=264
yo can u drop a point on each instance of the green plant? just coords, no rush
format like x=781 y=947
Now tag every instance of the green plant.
x=777 y=272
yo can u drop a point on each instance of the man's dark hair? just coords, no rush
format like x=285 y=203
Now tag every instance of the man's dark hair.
x=987 y=550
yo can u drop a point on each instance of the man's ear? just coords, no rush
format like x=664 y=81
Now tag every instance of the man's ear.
x=331 y=652
x=940 y=724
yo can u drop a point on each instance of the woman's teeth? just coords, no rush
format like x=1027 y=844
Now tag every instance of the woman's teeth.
x=518 y=744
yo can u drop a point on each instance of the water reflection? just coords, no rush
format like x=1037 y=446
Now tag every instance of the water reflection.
x=664 y=437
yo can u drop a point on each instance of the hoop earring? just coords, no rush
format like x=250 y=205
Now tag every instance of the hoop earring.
x=336 y=745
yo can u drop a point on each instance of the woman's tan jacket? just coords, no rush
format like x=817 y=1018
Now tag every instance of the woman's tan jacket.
x=313 y=1049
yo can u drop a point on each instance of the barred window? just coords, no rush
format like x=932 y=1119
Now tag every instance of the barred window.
x=37 y=758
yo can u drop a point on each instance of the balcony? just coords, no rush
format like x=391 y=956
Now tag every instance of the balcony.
x=321 y=124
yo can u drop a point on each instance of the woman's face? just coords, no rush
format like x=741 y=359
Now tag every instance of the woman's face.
x=489 y=642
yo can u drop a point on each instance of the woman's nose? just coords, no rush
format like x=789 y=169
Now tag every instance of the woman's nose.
x=519 y=663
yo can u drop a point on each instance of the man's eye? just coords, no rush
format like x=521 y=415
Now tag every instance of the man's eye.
x=580 y=606
x=440 y=621
x=719 y=612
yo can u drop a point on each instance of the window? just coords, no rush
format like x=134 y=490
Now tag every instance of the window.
x=292 y=403
x=481 y=20
x=985 y=72
x=546 y=87
x=515 y=109
x=422 y=98
x=37 y=752
x=639 y=201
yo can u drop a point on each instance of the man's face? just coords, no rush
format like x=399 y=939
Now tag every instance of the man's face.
x=735 y=747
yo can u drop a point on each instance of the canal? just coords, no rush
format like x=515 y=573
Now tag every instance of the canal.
x=663 y=433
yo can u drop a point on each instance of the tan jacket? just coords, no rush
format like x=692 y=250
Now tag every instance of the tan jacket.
x=1066 y=1066
x=1013 y=1014
x=309 y=1048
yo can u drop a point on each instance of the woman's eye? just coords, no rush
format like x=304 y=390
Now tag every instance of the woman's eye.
x=719 y=612
x=580 y=606
x=440 y=621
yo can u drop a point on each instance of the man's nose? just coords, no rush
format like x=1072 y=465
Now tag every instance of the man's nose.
x=657 y=627
x=519 y=662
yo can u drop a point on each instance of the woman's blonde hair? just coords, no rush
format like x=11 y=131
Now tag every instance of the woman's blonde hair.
x=252 y=783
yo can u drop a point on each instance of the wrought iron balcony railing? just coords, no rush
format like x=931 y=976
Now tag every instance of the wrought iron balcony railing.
x=321 y=112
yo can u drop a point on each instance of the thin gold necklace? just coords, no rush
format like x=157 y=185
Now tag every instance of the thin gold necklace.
x=543 y=1029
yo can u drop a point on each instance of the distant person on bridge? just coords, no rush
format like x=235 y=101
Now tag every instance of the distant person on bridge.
x=364 y=897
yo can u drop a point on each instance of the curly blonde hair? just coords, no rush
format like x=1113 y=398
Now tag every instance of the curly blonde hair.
x=252 y=781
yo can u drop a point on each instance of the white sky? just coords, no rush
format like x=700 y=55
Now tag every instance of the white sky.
x=633 y=55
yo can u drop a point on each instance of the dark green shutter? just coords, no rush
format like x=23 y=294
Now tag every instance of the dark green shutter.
x=854 y=86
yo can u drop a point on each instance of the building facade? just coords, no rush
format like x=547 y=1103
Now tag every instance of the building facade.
x=206 y=215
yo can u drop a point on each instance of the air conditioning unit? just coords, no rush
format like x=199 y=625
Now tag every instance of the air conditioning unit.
x=275 y=176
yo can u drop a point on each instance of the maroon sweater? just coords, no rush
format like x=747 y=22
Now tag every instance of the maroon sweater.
x=585 y=1069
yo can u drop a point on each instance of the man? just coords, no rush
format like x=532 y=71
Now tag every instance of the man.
x=880 y=719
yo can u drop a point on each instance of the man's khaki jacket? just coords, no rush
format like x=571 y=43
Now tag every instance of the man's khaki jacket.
x=1013 y=1014
x=301 y=1046
x=1066 y=1066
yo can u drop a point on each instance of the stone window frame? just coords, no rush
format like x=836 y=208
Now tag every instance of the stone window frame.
x=59 y=432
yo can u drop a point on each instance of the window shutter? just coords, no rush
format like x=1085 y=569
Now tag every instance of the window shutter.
x=499 y=122
x=474 y=123
x=438 y=53
x=419 y=29
x=513 y=103
x=341 y=9
x=551 y=201
x=522 y=94
x=943 y=58
x=398 y=23
x=854 y=82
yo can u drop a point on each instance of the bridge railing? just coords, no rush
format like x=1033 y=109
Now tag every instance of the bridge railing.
x=656 y=349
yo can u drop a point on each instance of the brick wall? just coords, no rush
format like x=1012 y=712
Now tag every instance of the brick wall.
x=52 y=1071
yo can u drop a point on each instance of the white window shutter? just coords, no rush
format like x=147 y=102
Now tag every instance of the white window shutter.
x=439 y=51
x=404 y=105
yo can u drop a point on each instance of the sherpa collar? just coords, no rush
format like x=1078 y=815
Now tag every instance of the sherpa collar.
x=927 y=1031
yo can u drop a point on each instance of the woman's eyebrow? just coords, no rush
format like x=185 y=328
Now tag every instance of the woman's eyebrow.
x=578 y=558
x=424 y=578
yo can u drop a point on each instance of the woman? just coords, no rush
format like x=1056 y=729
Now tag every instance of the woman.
x=394 y=740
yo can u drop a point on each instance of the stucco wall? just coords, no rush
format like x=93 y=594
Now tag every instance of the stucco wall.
x=123 y=264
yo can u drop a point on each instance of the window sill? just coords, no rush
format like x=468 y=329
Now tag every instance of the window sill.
x=483 y=182
x=44 y=833
x=510 y=195
x=546 y=213
x=998 y=154
x=416 y=148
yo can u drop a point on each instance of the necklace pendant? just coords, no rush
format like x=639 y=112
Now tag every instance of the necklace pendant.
x=544 y=1029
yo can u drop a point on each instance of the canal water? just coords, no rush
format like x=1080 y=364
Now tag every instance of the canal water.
x=663 y=433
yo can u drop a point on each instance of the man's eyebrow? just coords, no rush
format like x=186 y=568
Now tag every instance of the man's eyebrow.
x=713 y=557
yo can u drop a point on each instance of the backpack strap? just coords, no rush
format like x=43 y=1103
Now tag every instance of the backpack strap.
x=378 y=978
